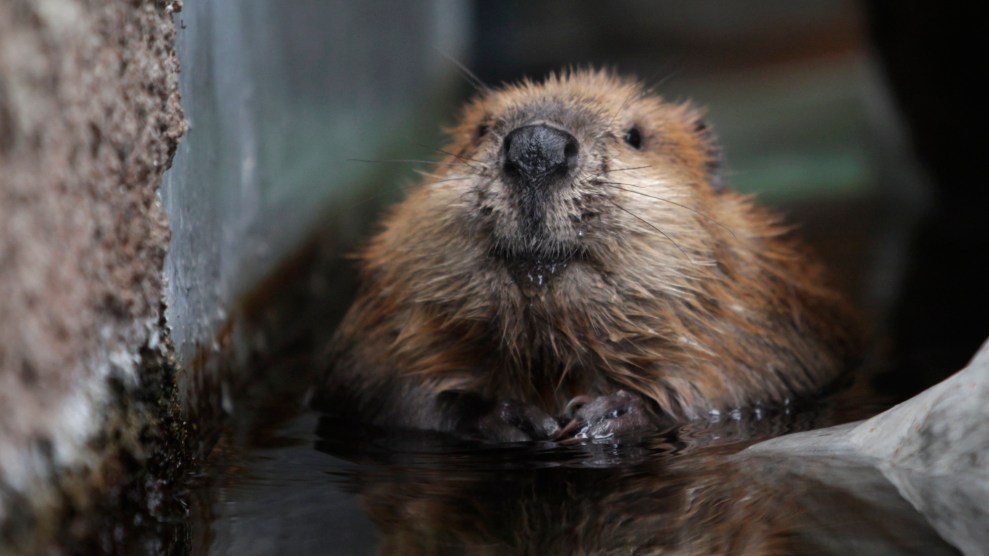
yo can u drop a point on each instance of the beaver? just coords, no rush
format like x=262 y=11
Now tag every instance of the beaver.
x=575 y=265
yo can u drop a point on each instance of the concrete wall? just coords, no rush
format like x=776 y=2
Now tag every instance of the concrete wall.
x=280 y=99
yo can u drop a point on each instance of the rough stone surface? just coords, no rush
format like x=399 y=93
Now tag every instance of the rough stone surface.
x=89 y=119
x=944 y=430
x=934 y=448
x=956 y=505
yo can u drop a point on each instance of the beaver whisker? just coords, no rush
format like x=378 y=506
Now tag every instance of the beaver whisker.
x=478 y=166
x=409 y=161
x=617 y=185
x=651 y=225
x=472 y=79
x=628 y=169
x=461 y=157
x=637 y=91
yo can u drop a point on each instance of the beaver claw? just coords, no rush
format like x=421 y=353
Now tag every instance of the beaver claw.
x=605 y=416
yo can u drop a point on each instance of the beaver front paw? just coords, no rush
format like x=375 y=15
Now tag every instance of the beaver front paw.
x=498 y=421
x=605 y=416
x=511 y=421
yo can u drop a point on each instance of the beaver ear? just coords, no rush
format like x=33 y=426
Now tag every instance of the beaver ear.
x=714 y=161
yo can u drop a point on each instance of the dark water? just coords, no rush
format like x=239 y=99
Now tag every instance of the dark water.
x=317 y=486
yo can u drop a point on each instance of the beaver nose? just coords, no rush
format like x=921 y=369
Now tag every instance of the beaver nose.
x=535 y=154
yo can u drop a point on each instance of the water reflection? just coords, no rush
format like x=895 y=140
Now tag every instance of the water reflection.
x=428 y=494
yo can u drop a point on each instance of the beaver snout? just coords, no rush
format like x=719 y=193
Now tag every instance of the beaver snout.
x=538 y=155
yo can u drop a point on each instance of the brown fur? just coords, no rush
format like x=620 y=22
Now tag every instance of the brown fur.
x=667 y=285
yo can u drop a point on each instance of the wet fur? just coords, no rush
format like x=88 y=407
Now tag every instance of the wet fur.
x=643 y=274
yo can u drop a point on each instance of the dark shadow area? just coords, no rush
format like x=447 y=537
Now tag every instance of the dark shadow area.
x=929 y=57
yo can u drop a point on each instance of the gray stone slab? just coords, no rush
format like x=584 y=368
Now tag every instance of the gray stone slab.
x=934 y=448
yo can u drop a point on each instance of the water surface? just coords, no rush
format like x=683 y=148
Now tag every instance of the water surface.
x=322 y=486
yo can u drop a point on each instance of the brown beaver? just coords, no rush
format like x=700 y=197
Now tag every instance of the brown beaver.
x=577 y=255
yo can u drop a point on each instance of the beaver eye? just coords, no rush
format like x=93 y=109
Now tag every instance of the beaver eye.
x=634 y=138
x=482 y=130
